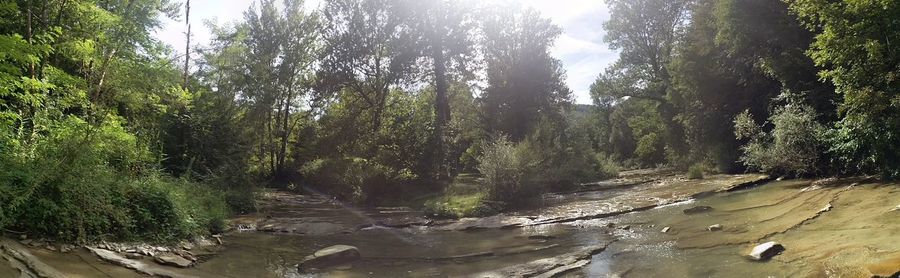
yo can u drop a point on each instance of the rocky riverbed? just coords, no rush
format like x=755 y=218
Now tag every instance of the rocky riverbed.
x=645 y=224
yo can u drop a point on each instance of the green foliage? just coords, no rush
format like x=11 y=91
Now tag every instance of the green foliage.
x=695 y=172
x=505 y=167
x=83 y=182
x=525 y=83
x=795 y=146
x=854 y=46
x=352 y=178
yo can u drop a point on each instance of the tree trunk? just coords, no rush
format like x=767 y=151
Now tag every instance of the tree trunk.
x=187 y=44
x=29 y=34
x=441 y=104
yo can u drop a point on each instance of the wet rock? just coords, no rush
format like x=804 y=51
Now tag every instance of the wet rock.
x=404 y=221
x=540 y=237
x=134 y=256
x=26 y=241
x=714 y=227
x=665 y=230
x=138 y=266
x=173 y=260
x=28 y=264
x=330 y=256
x=765 y=251
x=697 y=209
x=218 y=239
x=827 y=207
x=885 y=268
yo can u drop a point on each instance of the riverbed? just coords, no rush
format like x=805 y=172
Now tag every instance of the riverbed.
x=829 y=228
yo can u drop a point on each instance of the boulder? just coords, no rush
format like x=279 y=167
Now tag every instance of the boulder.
x=665 y=230
x=697 y=209
x=765 y=251
x=330 y=256
x=172 y=260
x=714 y=227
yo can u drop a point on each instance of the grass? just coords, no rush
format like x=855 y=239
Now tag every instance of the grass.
x=462 y=198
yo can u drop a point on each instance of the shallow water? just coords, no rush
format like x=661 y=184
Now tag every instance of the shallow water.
x=858 y=230
x=858 y=236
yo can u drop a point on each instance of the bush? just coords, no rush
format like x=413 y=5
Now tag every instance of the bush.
x=354 y=179
x=695 y=172
x=793 y=147
x=505 y=168
x=83 y=182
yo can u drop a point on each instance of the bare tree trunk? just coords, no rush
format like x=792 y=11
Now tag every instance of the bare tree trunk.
x=187 y=44
x=29 y=34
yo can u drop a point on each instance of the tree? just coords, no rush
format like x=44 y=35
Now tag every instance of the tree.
x=524 y=83
x=646 y=33
x=366 y=52
x=855 y=46
x=444 y=29
x=275 y=50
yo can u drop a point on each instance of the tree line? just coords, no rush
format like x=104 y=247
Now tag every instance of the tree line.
x=794 y=88
x=105 y=133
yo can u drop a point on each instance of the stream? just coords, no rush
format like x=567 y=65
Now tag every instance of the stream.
x=829 y=228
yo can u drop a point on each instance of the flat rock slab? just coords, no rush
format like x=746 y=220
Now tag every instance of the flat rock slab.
x=20 y=258
x=548 y=267
x=138 y=266
x=330 y=256
x=499 y=221
x=173 y=260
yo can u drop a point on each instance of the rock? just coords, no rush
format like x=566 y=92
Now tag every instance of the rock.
x=50 y=247
x=714 y=227
x=543 y=237
x=173 y=260
x=665 y=230
x=134 y=256
x=765 y=251
x=826 y=208
x=138 y=266
x=889 y=267
x=23 y=237
x=25 y=241
x=697 y=209
x=626 y=227
x=330 y=256
x=897 y=208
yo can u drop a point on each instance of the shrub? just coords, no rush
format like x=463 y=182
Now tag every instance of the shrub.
x=79 y=181
x=609 y=168
x=695 y=172
x=354 y=179
x=505 y=168
x=793 y=147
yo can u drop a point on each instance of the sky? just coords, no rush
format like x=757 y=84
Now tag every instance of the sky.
x=580 y=47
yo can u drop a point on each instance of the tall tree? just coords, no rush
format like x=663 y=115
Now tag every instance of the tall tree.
x=445 y=38
x=524 y=82
x=366 y=52
x=856 y=45
x=646 y=33
x=277 y=72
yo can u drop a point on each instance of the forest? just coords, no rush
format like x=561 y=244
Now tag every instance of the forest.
x=107 y=133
